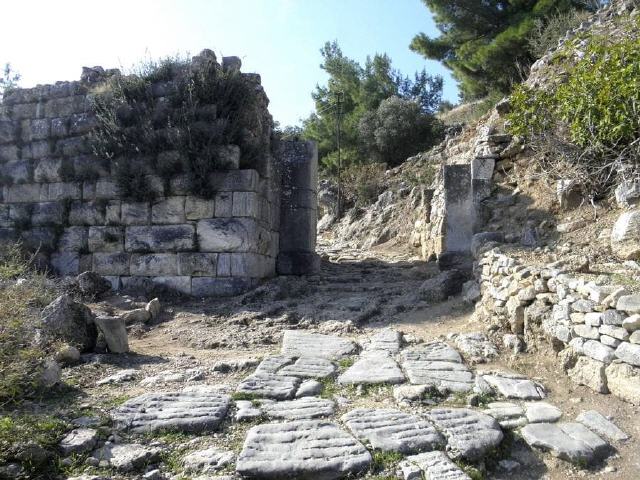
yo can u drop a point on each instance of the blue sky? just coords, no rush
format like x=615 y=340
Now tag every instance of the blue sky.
x=48 y=41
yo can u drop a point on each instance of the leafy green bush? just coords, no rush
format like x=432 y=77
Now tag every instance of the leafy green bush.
x=199 y=108
x=363 y=184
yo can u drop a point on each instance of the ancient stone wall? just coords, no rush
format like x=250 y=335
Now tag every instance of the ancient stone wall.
x=76 y=221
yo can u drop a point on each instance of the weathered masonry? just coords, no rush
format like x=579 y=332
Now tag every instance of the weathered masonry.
x=258 y=220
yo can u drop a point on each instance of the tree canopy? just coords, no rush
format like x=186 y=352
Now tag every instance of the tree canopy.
x=354 y=91
x=485 y=42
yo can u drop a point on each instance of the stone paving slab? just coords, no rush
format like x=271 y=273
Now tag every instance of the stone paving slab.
x=422 y=372
x=297 y=343
x=372 y=367
x=434 y=351
x=268 y=385
x=311 y=449
x=209 y=460
x=300 y=409
x=509 y=415
x=569 y=441
x=387 y=340
x=309 y=367
x=393 y=430
x=127 y=457
x=511 y=386
x=273 y=363
x=599 y=424
x=542 y=412
x=470 y=434
x=434 y=466
x=193 y=409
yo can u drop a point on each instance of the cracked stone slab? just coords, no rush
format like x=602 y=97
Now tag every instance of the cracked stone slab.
x=246 y=411
x=542 y=412
x=301 y=409
x=268 y=385
x=193 y=409
x=296 y=343
x=127 y=457
x=509 y=415
x=208 y=460
x=309 y=449
x=434 y=351
x=372 y=367
x=444 y=376
x=393 y=430
x=469 y=434
x=514 y=386
x=599 y=424
x=309 y=367
x=273 y=363
x=569 y=441
x=434 y=466
x=387 y=340
x=476 y=346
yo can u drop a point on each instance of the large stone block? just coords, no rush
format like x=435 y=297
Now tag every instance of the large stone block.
x=112 y=212
x=106 y=189
x=482 y=168
x=48 y=213
x=39 y=238
x=220 y=287
x=196 y=208
x=198 y=264
x=136 y=213
x=66 y=106
x=74 y=239
x=624 y=381
x=235 y=181
x=81 y=123
x=106 y=239
x=297 y=229
x=87 y=213
x=149 y=284
x=298 y=263
x=59 y=127
x=168 y=211
x=25 y=193
x=625 y=236
x=224 y=265
x=245 y=204
x=7 y=132
x=9 y=153
x=36 y=150
x=49 y=170
x=168 y=238
x=223 y=204
x=111 y=263
x=17 y=172
x=252 y=265
x=590 y=373
x=299 y=165
x=63 y=191
x=154 y=264
x=38 y=129
x=65 y=263
x=295 y=197
x=232 y=235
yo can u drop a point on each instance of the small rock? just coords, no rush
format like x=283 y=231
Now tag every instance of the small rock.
x=79 y=440
x=50 y=373
x=67 y=355
x=127 y=457
x=154 y=308
x=122 y=376
x=309 y=388
x=139 y=315
x=115 y=333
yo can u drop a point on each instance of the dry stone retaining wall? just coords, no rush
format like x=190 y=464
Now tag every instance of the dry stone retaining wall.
x=61 y=200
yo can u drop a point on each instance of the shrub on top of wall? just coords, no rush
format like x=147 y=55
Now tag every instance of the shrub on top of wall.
x=172 y=118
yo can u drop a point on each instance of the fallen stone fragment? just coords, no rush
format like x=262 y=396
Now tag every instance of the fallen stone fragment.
x=387 y=340
x=406 y=394
x=115 y=333
x=393 y=430
x=434 y=465
x=207 y=461
x=590 y=373
x=309 y=367
x=300 y=409
x=127 y=457
x=508 y=415
x=139 y=315
x=623 y=381
x=154 y=308
x=194 y=409
x=171 y=376
x=296 y=343
x=599 y=424
x=569 y=441
x=265 y=385
x=476 y=347
x=514 y=386
x=79 y=440
x=121 y=376
x=469 y=434
x=372 y=367
x=310 y=449
x=444 y=376
x=69 y=321
x=542 y=412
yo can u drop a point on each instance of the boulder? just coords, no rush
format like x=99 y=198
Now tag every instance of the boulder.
x=625 y=236
x=439 y=288
x=92 y=285
x=590 y=373
x=115 y=333
x=67 y=320
x=624 y=381
x=627 y=194
x=153 y=307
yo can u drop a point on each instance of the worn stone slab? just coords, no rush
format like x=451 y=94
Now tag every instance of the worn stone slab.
x=296 y=343
x=309 y=449
x=127 y=457
x=273 y=363
x=435 y=351
x=372 y=367
x=434 y=466
x=79 y=440
x=542 y=412
x=469 y=434
x=193 y=409
x=269 y=385
x=209 y=460
x=393 y=430
x=299 y=409
x=246 y=411
x=309 y=388
x=446 y=376
x=569 y=441
x=387 y=340
x=509 y=415
x=309 y=367
x=599 y=424
x=476 y=346
x=511 y=386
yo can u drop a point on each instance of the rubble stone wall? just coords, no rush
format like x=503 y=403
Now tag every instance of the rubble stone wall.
x=201 y=246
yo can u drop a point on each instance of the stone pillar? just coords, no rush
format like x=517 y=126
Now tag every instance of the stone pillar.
x=460 y=215
x=298 y=208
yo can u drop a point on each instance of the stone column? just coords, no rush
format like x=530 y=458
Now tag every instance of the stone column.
x=298 y=208
x=460 y=216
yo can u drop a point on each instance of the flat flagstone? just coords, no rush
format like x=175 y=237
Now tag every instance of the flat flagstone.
x=434 y=351
x=393 y=430
x=273 y=363
x=445 y=376
x=309 y=367
x=470 y=434
x=434 y=466
x=297 y=343
x=508 y=415
x=193 y=409
x=598 y=423
x=542 y=412
x=569 y=441
x=514 y=386
x=311 y=449
x=372 y=367
x=268 y=385
x=246 y=411
x=299 y=409
x=387 y=340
